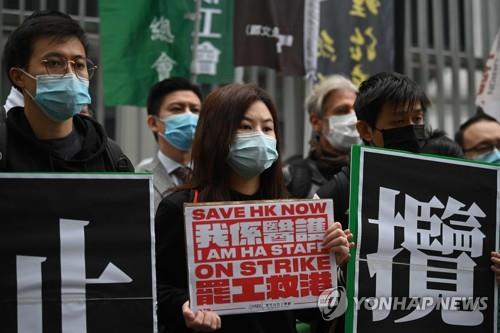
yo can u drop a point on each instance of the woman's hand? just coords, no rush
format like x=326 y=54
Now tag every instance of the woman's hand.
x=495 y=259
x=202 y=321
x=339 y=242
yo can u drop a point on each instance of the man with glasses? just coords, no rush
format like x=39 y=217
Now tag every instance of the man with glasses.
x=479 y=138
x=46 y=60
x=173 y=106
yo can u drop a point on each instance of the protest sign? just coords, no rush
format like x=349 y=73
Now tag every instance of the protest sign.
x=144 y=42
x=279 y=34
x=356 y=38
x=424 y=227
x=258 y=255
x=77 y=253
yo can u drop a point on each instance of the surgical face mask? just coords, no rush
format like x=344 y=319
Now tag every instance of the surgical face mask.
x=180 y=129
x=342 y=131
x=490 y=157
x=60 y=96
x=251 y=154
x=410 y=138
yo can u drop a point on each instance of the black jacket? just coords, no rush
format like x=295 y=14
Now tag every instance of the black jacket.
x=303 y=177
x=26 y=153
x=172 y=279
x=338 y=190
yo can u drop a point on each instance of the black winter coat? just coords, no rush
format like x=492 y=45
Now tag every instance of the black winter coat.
x=26 y=153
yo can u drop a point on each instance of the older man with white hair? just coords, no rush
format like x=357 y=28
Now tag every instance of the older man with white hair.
x=333 y=121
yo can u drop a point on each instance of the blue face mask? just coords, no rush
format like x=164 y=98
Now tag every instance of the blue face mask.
x=490 y=157
x=251 y=154
x=179 y=130
x=60 y=97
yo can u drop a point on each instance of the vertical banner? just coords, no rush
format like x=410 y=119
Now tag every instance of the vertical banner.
x=488 y=96
x=424 y=230
x=214 y=56
x=146 y=42
x=275 y=34
x=258 y=256
x=356 y=38
x=77 y=253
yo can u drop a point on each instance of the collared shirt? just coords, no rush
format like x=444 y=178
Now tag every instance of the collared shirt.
x=14 y=99
x=170 y=165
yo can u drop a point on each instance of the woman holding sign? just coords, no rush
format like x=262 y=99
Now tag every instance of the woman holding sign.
x=236 y=157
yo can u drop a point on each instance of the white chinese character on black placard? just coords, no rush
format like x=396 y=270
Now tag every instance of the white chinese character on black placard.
x=442 y=241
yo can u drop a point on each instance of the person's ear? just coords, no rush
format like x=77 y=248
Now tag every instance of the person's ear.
x=154 y=123
x=18 y=77
x=365 y=131
x=315 y=121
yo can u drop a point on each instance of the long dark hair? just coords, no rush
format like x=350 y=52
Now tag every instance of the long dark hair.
x=220 y=117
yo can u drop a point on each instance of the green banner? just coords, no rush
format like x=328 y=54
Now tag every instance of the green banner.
x=145 y=42
x=215 y=46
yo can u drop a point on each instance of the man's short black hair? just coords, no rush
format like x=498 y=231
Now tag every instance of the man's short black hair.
x=479 y=116
x=47 y=23
x=387 y=88
x=165 y=87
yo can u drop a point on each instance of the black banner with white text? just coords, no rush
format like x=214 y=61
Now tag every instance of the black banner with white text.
x=76 y=253
x=425 y=228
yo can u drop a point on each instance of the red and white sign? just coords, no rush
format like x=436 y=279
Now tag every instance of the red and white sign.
x=258 y=256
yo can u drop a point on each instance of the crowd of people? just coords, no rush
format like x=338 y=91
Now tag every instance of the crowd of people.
x=225 y=147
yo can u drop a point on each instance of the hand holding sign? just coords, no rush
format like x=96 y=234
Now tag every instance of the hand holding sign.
x=495 y=259
x=202 y=321
x=338 y=241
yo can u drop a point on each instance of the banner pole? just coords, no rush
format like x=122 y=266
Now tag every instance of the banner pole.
x=307 y=125
x=196 y=37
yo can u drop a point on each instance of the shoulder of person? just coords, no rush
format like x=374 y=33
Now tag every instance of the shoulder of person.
x=297 y=168
x=300 y=175
x=146 y=164
x=120 y=161
x=337 y=186
x=175 y=201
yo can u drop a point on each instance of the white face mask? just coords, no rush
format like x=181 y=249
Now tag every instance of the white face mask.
x=343 y=132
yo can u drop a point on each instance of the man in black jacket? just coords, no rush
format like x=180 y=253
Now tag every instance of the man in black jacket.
x=46 y=60
x=390 y=108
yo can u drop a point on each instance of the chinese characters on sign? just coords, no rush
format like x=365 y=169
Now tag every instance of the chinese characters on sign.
x=424 y=237
x=207 y=54
x=258 y=256
x=76 y=276
x=264 y=31
x=163 y=66
x=357 y=42
x=160 y=30
x=156 y=41
x=441 y=247
x=274 y=34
